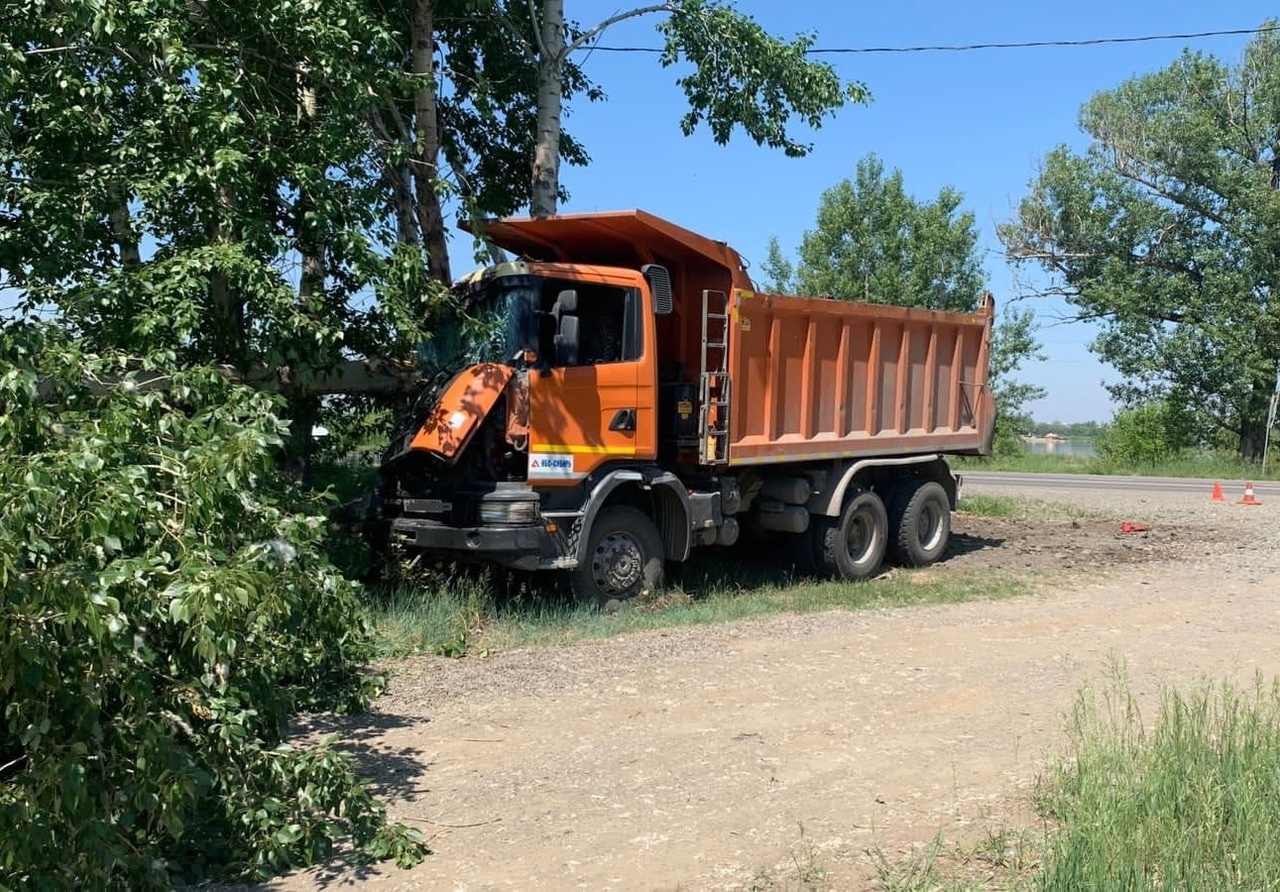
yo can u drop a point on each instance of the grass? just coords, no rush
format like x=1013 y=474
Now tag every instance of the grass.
x=1193 y=802
x=803 y=872
x=459 y=614
x=1190 y=800
x=992 y=506
x=984 y=505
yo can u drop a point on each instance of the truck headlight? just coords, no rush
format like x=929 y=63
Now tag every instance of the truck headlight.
x=520 y=507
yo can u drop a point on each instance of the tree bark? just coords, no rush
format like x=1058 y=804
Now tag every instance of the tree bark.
x=1253 y=421
x=546 y=151
x=425 y=158
x=122 y=229
x=228 y=312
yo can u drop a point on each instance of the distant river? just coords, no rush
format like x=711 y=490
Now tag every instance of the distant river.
x=1080 y=448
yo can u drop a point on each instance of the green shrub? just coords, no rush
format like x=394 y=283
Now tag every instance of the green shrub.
x=1146 y=435
x=165 y=612
x=1008 y=437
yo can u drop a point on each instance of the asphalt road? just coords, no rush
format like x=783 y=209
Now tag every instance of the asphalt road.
x=1231 y=489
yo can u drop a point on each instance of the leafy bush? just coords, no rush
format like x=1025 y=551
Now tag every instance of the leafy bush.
x=1008 y=436
x=1149 y=434
x=164 y=613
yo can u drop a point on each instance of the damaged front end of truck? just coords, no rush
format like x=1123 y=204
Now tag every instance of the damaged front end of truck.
x=454 y=479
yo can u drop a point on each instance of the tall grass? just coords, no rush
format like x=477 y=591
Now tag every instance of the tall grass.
x=456 y=614
x=984 y=505
x=1193 y=802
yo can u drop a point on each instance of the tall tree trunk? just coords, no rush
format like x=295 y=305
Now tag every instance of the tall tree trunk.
x=303 y=411
x=122 y=229
x=425 y=162
x=546 y=150
x=1253 y=421
x=228 y=336
x=399 y=183
x=311 y=291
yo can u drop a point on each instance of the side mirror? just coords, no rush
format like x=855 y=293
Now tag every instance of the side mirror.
x=660 y=287
x=567 y=341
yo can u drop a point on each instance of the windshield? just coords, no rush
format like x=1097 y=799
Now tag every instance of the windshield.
x=490 y=324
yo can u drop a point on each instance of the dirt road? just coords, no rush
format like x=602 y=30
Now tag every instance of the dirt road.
x=793 y=752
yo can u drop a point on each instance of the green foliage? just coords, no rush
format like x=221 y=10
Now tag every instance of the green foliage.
x=165 y=613
x=1166 y=231
x=779 y=270
x=745 y=77
x=1008 y=435
x=1187 y=802
x=875 y=242
x=1013 y=343
x=1149 y=434
x=208 y=185
x=487 y=101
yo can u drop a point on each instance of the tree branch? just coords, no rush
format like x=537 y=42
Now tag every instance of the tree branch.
x=356 y=376
x=589 y=35
x=537 y=30
x=512 y=29
x=1184 y=201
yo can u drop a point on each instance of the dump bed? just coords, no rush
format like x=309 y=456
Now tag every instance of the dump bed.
x=815 y=378
x=809 y=378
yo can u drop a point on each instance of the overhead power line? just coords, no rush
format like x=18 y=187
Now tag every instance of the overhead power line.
x=969 y=47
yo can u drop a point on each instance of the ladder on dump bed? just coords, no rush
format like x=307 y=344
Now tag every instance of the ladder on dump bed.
x=714 y=385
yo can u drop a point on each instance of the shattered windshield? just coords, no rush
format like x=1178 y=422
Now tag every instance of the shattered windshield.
x=489 y=325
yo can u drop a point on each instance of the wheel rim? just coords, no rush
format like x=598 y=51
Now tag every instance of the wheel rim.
x=860 y=535
x=929 y=526
x=617 y=564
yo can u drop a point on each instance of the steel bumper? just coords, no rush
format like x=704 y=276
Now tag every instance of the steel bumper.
x=518 y=547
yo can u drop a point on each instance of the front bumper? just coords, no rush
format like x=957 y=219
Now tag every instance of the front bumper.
x=517 y=547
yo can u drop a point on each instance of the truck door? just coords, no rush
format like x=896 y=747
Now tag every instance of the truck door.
x=593 y=399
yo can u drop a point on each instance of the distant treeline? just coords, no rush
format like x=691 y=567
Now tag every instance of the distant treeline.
x=1077 y=429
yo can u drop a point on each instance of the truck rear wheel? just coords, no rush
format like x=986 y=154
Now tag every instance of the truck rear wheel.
x=623 y=559
x=920 y=520
x=853 y=546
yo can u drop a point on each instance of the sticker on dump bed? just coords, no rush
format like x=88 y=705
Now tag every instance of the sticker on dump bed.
x=551 y=466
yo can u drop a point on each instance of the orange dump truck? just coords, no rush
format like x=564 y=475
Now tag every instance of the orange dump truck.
x=622 y=393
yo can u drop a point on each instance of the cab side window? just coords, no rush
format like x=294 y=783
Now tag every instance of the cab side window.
x=608 y=325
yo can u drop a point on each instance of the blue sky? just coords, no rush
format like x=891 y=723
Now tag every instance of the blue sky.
x=979 y=121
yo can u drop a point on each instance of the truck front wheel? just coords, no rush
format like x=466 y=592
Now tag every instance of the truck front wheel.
x=623 y=559
x=853 y=546
x=920 y=521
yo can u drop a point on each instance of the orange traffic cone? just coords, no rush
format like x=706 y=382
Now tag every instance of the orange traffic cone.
x=1217 y=493
x=1248 y=496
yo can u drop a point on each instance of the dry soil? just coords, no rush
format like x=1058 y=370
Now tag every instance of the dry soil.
x=796 y=752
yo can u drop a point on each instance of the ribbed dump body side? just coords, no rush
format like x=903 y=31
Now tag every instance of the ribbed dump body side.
x=817 y=379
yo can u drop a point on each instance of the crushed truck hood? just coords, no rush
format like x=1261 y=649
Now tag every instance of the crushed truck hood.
x=463 y=404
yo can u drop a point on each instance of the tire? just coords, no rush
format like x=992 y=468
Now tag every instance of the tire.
x=624 y=558
x=920 y=522
x=853 y=546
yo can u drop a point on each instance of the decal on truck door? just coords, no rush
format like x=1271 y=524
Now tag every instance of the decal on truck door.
x=551 y=466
